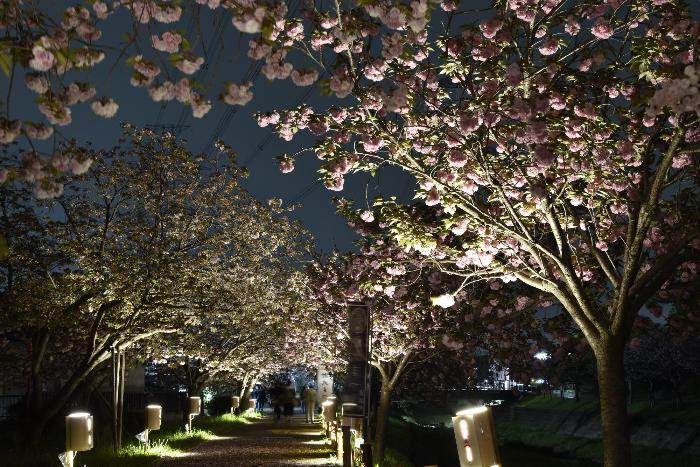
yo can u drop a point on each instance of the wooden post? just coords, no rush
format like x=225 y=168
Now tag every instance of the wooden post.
x=367 y=454
x=347 y=448
x=115 y=397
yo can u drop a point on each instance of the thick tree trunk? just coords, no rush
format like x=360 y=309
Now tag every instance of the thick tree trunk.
x=381 y=423
x=246 y=392
x=59 y=401
x=613 y=402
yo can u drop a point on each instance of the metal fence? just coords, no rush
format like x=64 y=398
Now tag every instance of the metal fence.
x=10 y=406
x=13 y=405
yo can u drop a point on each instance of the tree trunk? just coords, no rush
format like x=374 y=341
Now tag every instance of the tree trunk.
x=629 y=391
x=39 y=344
x=381 y=423
x=613 y=402
x=116 y=384
x=246 y=391
x=59 y=401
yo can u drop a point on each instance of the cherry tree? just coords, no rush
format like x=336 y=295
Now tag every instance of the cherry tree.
x=407 y=329
x=145 y=243
x=555 y=140
x=245 y=333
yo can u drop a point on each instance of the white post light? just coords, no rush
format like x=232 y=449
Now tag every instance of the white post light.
x=235 y=403
x=79 y=436
x=328 y=415
x=195 y=409
x=153 y=421
x=154 y=415
x=476 y=438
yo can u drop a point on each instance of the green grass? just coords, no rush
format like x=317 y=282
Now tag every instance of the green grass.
x=591 y=450
x=394 y=458
x=557 y=403
x=639 y=411
x=170 y=441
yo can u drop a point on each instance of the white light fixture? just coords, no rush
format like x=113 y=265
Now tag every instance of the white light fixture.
x=475 y=437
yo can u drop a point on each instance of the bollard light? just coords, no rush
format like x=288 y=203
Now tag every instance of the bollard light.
x=476 y=438
x=235 y=403
x=154 y=415
x=195 y=405
x=79 y=432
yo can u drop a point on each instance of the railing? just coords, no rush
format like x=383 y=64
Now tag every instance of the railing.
x=13 y=405
x=10 y=406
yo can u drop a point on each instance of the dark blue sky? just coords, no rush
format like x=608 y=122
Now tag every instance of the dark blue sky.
x=256 y=147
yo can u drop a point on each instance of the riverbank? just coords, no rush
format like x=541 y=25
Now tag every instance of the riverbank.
x=541 y=430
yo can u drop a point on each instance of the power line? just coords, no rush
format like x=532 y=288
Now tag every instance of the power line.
x=266 y=140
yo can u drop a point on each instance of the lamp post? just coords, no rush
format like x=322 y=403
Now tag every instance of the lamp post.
x=195 y=409
x=79 y=435
x=476 y=438
x=154 y=415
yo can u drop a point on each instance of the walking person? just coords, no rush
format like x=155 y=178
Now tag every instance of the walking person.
x=310 y=403
x=277 y=396
x=260 y=401
x=288 y=403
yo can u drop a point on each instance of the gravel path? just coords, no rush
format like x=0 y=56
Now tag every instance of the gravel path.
x=262 y=443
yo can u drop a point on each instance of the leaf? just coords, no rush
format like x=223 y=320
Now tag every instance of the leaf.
x=4 y=249
x=5 y=62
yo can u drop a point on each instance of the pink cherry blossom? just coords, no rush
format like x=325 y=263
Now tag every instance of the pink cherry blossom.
x=335 y=183
x=80 y=166
x=37 y=83
x=48 y=189
x=490 y=28
x=602 y=29
x=304 y=77
x=549 y=47
x=443 y=301
x=189 y=66
x=265 y=119
x=275 y=67
x=104 y=107
x=43 y=60
x=37 y=130
x=238 y=94
x=78 y=92
x=372 y=143
x=60 y=161
x=168 y=42
x=286 y=165
x=341 y=82
x=469 y=123
x=433 y=197
x=250 y=20
x=367 y=216
x=200 y=105
x=164 y=13
x=101 y=9
x=9 y=130
x=457 y=158
x=55 y=112
x=572 y=26
x=164 y=92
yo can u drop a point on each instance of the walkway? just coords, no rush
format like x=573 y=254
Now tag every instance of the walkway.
x=262 y=443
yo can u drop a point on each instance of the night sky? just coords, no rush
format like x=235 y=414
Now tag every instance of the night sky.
x=226 y=55
x=256 y=147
